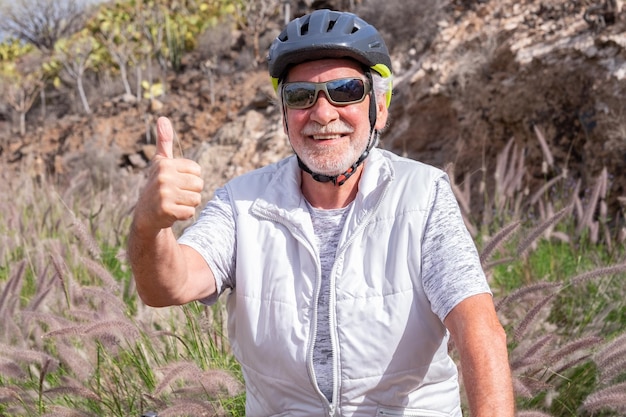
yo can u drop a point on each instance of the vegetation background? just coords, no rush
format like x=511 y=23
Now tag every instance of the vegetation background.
x=521 y=102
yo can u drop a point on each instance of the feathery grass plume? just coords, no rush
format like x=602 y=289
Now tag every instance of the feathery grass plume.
x=524 y=291
x=85 y=314
x=217 y=382
x=522 y=327
x=107 y=333
x=613 y=367
x=611 y=359
x=85 y=238
x=497 y=240
x=8 y=394
x=599 y=191
x=192 y=408
x=545 y=149
x=106 y=299
x=520 y=389
x=11 y=331
x=43 y=289
x=79 y=392
x=10 y=369
x=44 y=319
x=180 y=370
x=532 y=413
x=99 y=271
x=74 y=360
x=597 y=273
x=531 y=381
x=11 y=292
x=129 y=331
x=60 y=411
x=493 y=264
x=502 y=162
x=545 y=187
x=523 y=246
x=610 y=398
x=579 y=346
x=61 y=272
x=27 y=356
x=611 y=349
x=214 y=382
x=534 y=355
x=572 y=363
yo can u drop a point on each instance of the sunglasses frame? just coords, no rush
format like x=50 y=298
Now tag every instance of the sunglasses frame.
x=323 y=86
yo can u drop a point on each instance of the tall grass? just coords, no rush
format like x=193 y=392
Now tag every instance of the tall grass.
x=76 y=341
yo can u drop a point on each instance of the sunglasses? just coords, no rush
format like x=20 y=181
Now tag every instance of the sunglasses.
x=341 y=92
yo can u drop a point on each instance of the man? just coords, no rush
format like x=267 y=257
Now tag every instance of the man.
x=346 y=265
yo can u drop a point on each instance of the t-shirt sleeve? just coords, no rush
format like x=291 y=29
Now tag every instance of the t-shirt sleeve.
x=213 y=236
x=451 y=269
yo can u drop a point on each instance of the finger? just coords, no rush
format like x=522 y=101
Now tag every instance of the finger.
x=165 y=138
x=187 y=166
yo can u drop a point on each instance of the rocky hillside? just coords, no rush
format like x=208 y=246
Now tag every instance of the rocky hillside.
x=547 y=78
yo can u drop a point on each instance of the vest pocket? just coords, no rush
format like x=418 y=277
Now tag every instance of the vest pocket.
x=407 y=412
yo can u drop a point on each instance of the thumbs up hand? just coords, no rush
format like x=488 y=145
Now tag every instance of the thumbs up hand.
x=172 y=191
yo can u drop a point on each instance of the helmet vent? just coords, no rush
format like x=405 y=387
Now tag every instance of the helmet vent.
x=304 y=29
x=331 y=24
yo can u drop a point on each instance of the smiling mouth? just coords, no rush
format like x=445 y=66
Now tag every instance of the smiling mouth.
x=327 y=136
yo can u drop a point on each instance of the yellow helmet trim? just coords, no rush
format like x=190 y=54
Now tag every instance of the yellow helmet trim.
x=385 y=72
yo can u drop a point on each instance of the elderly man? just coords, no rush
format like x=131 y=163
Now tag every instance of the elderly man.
x=346 y=266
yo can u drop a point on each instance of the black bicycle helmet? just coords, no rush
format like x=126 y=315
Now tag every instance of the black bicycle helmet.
x=331 y=34
x=328 y=34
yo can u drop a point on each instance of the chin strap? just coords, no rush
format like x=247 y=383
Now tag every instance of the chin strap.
x=337 y=179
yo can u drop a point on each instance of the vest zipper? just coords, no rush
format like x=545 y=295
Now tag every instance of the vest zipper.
x=333 y=296
x=311 y=248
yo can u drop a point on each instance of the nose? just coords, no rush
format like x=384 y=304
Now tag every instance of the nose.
x=323 y=111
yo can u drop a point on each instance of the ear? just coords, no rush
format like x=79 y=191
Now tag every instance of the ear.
x=382 y=113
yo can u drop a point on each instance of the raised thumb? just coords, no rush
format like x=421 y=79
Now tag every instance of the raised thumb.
x=165 y=138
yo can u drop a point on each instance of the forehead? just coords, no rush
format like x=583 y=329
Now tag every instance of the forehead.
x=324 y=70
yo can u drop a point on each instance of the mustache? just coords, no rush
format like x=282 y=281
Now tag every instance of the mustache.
x=336 y=127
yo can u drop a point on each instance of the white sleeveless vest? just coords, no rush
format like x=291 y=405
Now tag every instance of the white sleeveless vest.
x=389 y=349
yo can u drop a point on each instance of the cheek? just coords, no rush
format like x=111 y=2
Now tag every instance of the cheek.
x=295 y=119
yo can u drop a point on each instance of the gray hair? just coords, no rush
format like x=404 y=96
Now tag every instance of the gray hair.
x=381 y=86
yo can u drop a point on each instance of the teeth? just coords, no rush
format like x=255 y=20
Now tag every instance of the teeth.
x=326 y=137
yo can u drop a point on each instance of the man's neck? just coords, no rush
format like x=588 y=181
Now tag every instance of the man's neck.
x=326 y=195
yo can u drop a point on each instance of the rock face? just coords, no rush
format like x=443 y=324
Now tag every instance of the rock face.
x=531 y=72
x=544 y=78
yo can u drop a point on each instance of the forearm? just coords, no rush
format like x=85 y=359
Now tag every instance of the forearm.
x=158 y=267
x=487 y=378
x=481 y=343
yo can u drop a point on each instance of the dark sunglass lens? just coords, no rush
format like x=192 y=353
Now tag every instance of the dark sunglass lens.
x=299 y=95
x=346 y=91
